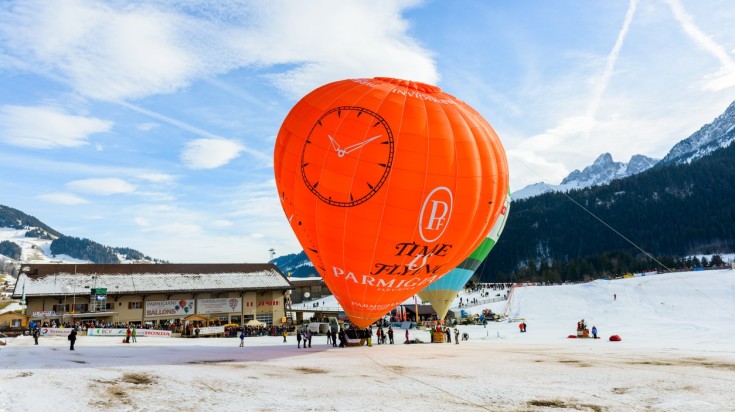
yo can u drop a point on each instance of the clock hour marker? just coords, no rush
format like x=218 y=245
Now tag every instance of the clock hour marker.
x=319 y=122
x=370 y=186
x=316 y=184
x=352 y=199
x=359 y=114
x=382 y=164
x=339 y=113
x=376 y=123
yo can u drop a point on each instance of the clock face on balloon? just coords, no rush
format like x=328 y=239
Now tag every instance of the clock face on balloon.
x=347 y=156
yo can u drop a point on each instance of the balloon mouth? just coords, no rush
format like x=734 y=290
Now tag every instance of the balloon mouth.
x=410 y=84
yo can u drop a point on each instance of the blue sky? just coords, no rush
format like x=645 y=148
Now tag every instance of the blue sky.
x=151 y=125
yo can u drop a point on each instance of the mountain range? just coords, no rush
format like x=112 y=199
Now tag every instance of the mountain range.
x=25 y=238
x=604 y=170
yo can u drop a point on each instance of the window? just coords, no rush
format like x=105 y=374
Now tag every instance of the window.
x=266 y=318
x=135 y=305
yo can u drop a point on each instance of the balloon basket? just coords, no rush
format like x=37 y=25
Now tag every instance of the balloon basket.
x=438 y=337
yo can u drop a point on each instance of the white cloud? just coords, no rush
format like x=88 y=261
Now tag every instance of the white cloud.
x=47 y=127
x=210 y=153
x=725 y=77
x=62 y=198
x=104 y=187
x=148 y=126
x=221 y=223
x=142 y=222
x=119 y=51
x=157 y=177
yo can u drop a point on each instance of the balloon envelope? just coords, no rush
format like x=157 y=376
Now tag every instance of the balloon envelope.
x=387 y=184
x=441 y=293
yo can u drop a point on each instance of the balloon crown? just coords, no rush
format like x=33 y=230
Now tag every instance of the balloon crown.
x=422 y=87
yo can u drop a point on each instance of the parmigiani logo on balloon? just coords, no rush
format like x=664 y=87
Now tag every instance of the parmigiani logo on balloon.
x=435 y=214
x=383 y=284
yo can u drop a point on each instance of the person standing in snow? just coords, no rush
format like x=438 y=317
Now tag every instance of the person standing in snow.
x=72 y=338
x=406 y=335
x=594 y=331
x=390 y=334
x=133 y=334
x=242 y=339
x=456 y=335
x=298 y=339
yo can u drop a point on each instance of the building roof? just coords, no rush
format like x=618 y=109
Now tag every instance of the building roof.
x=65 y=279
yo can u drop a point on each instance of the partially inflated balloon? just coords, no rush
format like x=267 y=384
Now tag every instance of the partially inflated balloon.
x=387 y=184
x=441 y=293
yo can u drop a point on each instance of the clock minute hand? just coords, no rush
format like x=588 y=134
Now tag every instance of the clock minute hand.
x=352 y=148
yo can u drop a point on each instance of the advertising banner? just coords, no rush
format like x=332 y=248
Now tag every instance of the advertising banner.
x=55 y=331
x=211 y=330
x=44 y=313
x=106 y=332
x=121 y=332
x=169 y=308
x=219 y=305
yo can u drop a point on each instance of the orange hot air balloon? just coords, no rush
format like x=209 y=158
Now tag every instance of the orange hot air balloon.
x=388 y=184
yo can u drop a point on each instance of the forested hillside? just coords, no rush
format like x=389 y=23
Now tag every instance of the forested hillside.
x=669 y=211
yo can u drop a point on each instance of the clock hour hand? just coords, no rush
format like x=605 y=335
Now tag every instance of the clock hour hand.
x=352 y=148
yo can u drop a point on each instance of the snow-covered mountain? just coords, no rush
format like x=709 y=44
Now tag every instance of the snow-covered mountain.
x=604 y=170
x=24 y=238
x=720 y=133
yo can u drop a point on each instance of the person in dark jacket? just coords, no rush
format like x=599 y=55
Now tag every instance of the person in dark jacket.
x=36 y=334
x=298 y=339
x=72 y=338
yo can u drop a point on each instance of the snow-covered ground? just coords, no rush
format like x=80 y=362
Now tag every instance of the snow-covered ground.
x=677 y=354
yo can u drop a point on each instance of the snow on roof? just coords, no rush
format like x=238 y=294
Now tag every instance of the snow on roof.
x=170 y=278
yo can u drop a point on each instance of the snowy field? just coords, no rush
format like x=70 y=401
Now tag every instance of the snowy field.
x=677 y=354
